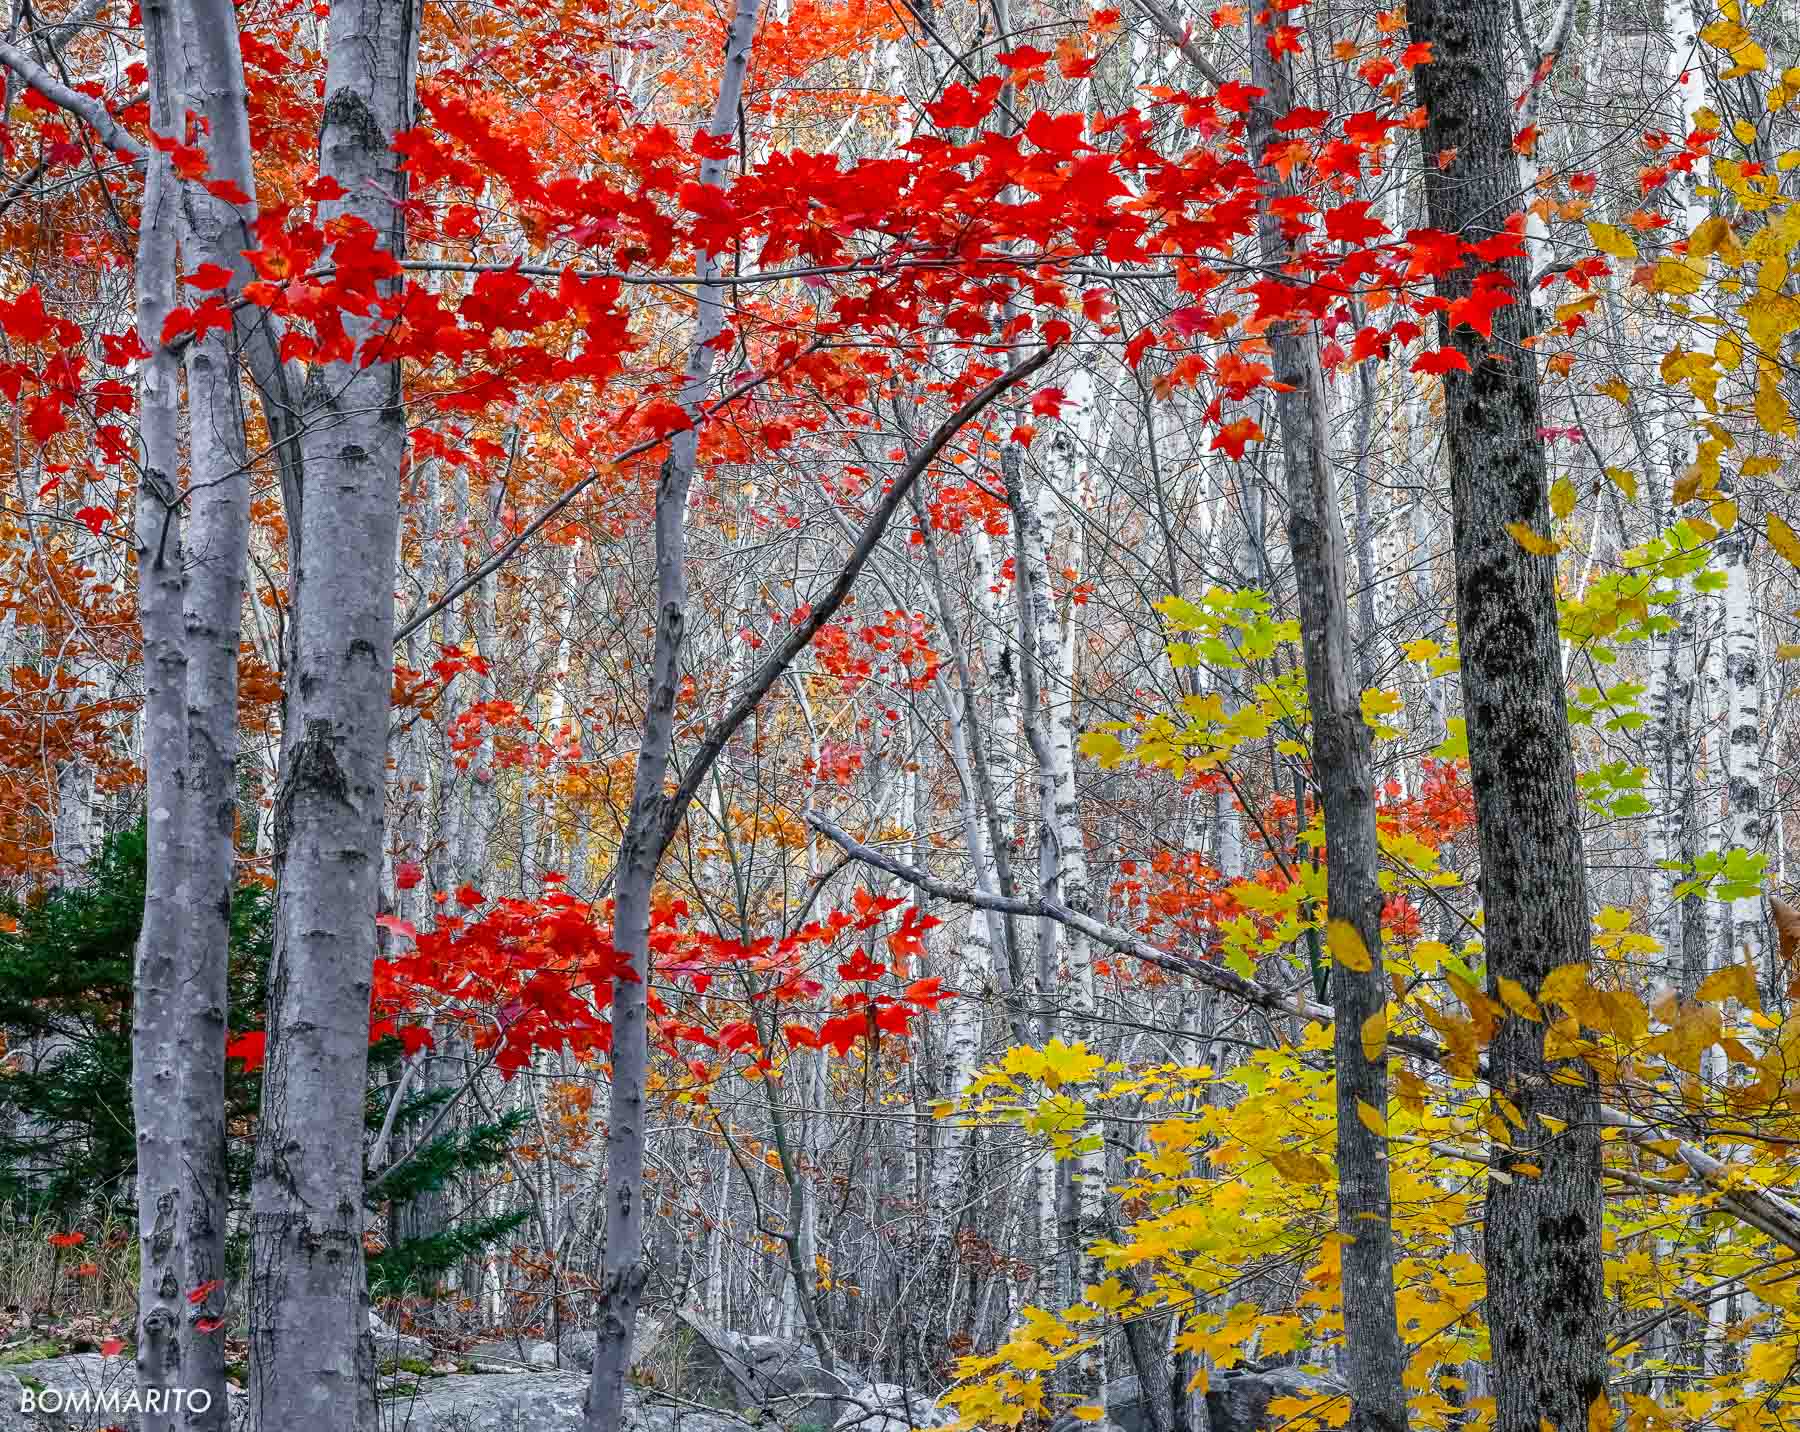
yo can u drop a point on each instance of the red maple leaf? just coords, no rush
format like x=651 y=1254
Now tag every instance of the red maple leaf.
x=1352 y=223
x=1233 y=437
x=250 y=1048
x=1441 y=360
x=1283 y=40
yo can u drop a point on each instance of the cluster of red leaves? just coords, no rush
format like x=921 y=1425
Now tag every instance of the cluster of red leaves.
x=1182 y=898
x=522 y=975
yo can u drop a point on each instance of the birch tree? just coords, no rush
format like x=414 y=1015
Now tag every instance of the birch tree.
x=312 y=1357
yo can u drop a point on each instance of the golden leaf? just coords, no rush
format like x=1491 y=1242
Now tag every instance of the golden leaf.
x=1771 y=408
x=1514 y=997
x=1531 y=541
x=1374 y=1034
x=1297 y=1167
x=1731 y=982
x=1347 y=946
x=1624 y=480
x=1564 y=985
x=1707 y=236
x=1676 y=276
x=1371 y=1118
x=1783 y=540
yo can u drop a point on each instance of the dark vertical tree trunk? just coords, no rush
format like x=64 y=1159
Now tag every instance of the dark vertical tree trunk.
x=313 y=1359
x=1544 y=1270
x=1344 y=776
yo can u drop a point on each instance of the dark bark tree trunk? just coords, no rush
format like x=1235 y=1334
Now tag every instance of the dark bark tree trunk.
x=1544 y=1270
x=1344 y=776
x=313 y=1359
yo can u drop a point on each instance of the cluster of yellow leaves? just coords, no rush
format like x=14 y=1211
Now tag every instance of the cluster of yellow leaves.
x=1233 y=1188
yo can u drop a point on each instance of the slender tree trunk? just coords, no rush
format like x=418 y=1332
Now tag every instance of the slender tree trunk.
x=640 y=852
x=163 y=1340
x=312 y=1356
x=217 y=553
x=1344 y=775
x=1542 y=1231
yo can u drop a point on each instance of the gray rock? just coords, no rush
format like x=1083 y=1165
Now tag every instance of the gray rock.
x=533 y=1402
x=756 y=1374
x=576 y=1348
x=510 y=1356
x=1125 y=1411
x=887 y=1407
x=12 y=1396
x=576 y=1345
x=1237 y=1400
x=392 y=1345
x=79 y=1393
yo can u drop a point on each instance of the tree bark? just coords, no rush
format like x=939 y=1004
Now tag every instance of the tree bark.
x=1542 y=1230
x=313 y=1358
x=162 y=1341
x=623 y=1270
x=1344 y=777
x=217 y=550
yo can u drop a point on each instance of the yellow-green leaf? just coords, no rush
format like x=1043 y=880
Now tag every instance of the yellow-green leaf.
x=1612 y=241
x=1562 y=497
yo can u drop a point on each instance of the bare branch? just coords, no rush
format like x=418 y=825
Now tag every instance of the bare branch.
x=91 y=111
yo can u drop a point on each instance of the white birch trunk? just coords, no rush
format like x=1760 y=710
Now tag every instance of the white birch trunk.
x=312 y=1355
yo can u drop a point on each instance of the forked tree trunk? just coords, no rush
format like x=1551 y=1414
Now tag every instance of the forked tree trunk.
x=1344 y=775
x=313 y=1359
x=640 y=852
x=1544 y=1270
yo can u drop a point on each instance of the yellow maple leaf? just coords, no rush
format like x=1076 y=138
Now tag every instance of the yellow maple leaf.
x=1371 y=1118
x=1730 y=982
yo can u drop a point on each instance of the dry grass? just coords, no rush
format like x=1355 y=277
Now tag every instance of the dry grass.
x=43 y=1284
